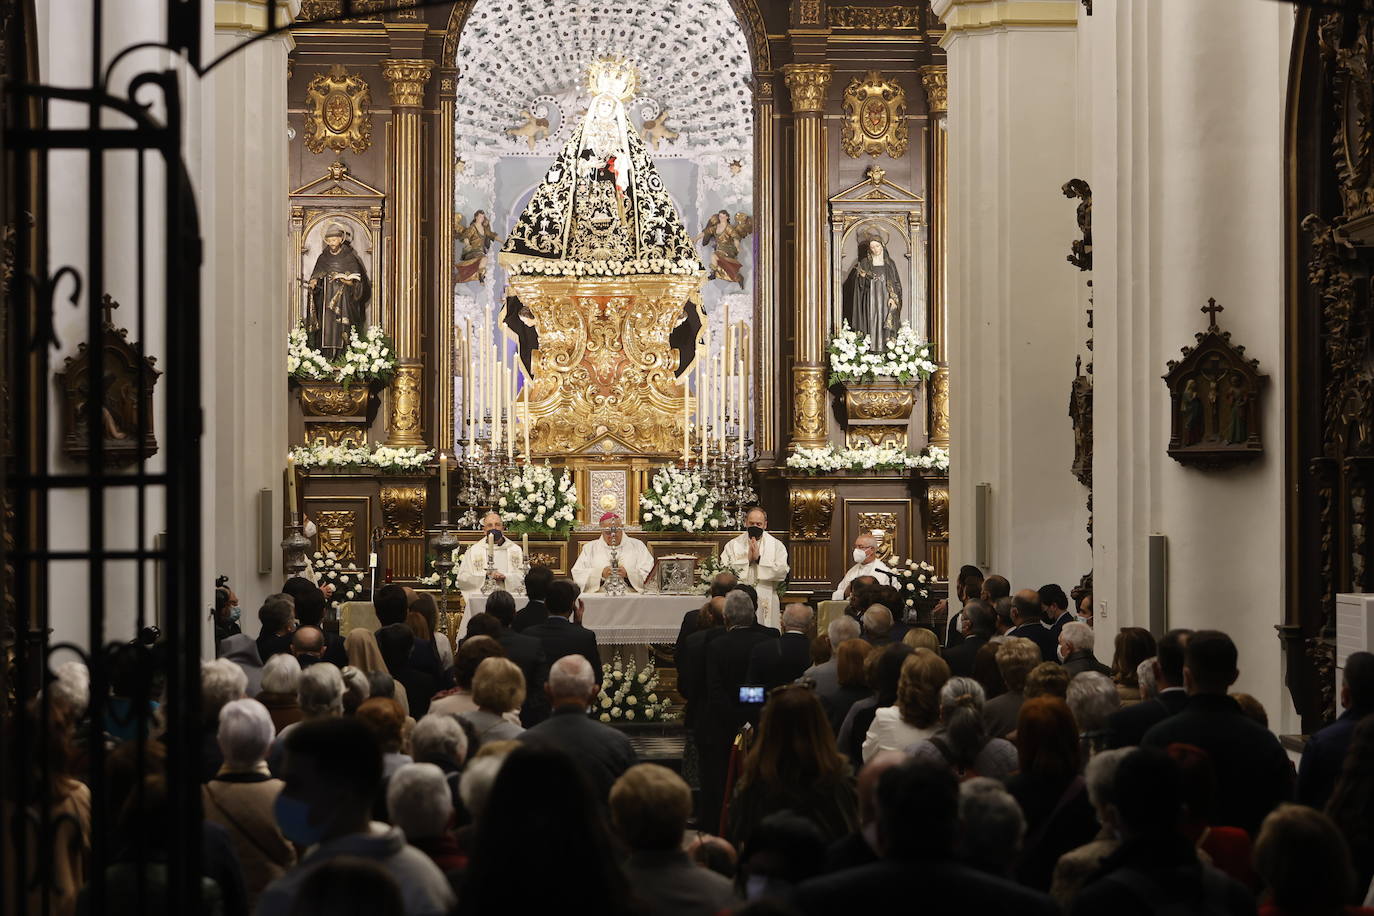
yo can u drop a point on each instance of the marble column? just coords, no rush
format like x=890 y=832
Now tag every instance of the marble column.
x=935 y=80
x=807 y=83
x=407 y=78
x=1013 y=319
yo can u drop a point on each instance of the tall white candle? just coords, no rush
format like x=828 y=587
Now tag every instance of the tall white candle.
x=443 y=488
x=468 y=379
x=720 y=397
x=509 y=386
x=744 y=411
x=291 y=483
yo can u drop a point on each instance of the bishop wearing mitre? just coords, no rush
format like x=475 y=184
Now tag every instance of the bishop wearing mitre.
x=505 y=555
x=593 y=564
x=762 y=562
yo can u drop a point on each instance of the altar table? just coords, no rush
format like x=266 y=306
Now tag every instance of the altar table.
x=625 y=620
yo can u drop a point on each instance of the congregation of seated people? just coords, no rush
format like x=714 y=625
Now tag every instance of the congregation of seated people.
x=980 y=757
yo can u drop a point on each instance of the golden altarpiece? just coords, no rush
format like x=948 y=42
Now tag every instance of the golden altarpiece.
x=373 y=106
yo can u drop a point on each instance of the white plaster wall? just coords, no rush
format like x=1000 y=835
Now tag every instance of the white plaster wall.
x=1186 y=105
x=234 y=144
x=1014 y=304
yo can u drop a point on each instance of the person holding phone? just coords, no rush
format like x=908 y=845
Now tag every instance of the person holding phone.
x=762 y=562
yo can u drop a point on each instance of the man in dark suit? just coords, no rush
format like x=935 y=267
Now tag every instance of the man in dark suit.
x=560 y=634
x=781 y=661
x=310 y=607
x=981 y=625
x=537 y=589
x=278 y=618
x=1075 y=650
x=1025 y=619
x=601 y=752
x=1054 y=608
x=525 y=651
x=1325 y=751
x=968 y=586
x=918 y=818
x=720 y=587
x=1128 y=726
x=1252 y=769
x=727 y=669
x=307 y=644
x=396 y=642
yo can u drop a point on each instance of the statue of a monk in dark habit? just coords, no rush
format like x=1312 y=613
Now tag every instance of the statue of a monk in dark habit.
x=873 y=295
x=339 y=292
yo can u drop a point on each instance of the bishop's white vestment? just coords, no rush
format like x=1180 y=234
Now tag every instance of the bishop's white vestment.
x=633 y=557
x=862 y=569
x=506 y=556
x=765 y=575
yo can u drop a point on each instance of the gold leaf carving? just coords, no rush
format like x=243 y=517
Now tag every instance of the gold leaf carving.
x=323 y=400
x=338 y=114
x=403 y=510
x=937 y=512
x=811 y=510
x=874 y=18
x=407 y=79
x=405 y=406
x=338 y=532
x=807 y=83
x=886 y=522
x=808 y=406
x=875 y=117
x=935 y=80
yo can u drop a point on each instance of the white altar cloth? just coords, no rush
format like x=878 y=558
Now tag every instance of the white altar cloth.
x=618 y=621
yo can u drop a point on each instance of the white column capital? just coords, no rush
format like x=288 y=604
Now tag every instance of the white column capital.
x=251 y=15
x=961 y=16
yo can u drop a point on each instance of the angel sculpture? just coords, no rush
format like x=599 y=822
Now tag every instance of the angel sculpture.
x=532 y=130
x=474 y=242
x=656 y=129
x=724 y=237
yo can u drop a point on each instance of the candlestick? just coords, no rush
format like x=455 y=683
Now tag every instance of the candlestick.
x=525 y=545
x=743 y=385
x=443 y=488
x=703 y=389
x=686 y=444
x=291 y=482
x=509 y=388
x=720 y=400
x=529 y=455
x=468 y=392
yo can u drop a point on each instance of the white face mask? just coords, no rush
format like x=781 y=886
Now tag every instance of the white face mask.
x=309 y=529
x=1086 y=621
x=860 y=555
x=1063 y=653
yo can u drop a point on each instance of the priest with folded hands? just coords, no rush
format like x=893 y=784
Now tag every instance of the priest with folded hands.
x=593 y=564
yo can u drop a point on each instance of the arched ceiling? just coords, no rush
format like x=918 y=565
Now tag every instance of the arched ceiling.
x=518 y=56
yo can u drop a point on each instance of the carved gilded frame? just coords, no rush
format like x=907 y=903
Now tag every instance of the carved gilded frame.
x=337 y=195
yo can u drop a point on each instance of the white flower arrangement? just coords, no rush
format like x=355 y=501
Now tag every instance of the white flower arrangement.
x=433 y=580
x=383 y=458
x=679 y=500
x=912 y=579
x=549 y=267
x=852 y=359
x=348 y=584
x=713 y=566
x=867 y=458
x=629 y=694
x=534 y=501
x=369 y=358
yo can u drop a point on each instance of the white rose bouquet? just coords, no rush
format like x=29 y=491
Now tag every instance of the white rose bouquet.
x=711 y=567
x=913 y=579
x=535 y=501
x=906 y=358
x=630 y=694
x=867 y=458
x=679 y=500
x=369 y=358
x=348 y=583
x=433 y=580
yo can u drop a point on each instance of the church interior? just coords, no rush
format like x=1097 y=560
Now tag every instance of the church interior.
x=946 y=327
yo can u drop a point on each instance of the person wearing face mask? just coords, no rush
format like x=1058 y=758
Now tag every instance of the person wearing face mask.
x=227 y=611
x=1076 y=650
x=333 y=773
x=593 y=564
x=762 y=560
x=505 y=554
x=866 y=563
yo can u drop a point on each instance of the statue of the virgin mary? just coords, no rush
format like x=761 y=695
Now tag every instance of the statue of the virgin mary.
x=873 y=294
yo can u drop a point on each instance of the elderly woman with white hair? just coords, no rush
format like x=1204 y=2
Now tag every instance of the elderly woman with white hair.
x=221 y=682
x=281 y=679
x=320 y=695
x=498 y=689
x=419 y=802
x=1092 y=699
x=242 y=795
x=1076 y=866
x=962 y=741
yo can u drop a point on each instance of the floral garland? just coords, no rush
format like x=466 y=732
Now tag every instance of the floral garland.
x=867 y=458
x=627 y=694
x=852 y=359
x=567 y=267
x=678 y=500
x=370 y=358
x=348 y=585
x=383 y=458
x=533 y=501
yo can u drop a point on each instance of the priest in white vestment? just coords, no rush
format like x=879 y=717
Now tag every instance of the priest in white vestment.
x=762 y=562
x=594 y=562
x=866 y=563
x=505 y=554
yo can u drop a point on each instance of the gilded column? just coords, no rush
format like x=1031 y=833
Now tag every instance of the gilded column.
x=765 y=399
x=935 y=79
x=405 y=425
x=807 y=84
x=444 y=340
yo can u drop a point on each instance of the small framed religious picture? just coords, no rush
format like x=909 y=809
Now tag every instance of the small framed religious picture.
x=1215 y=392
x=673 y=575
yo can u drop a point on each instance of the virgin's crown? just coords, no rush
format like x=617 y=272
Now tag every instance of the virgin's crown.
x=613 y=76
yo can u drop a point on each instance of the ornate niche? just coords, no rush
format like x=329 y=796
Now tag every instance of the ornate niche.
x=874 y=117
x=125 y=392
x=333 y=414
x=1347 y=49
x=1214 y=395
x=339 y=112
